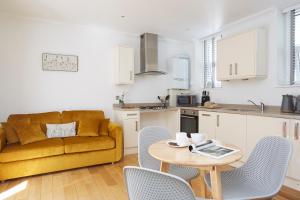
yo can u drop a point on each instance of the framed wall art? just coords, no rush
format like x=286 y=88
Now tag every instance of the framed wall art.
x=59 y=62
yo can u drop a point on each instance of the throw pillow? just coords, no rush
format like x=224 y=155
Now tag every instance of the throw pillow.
x=10 y=129
x=103 y=129
x=61 y=130
x=88 y=127
x=30 y=133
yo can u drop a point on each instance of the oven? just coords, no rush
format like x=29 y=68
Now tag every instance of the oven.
x=189 y=121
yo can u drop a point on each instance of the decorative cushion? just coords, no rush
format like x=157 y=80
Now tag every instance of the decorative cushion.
x=82 y=144
x=10 y=129
x=44 y=148
x=88 y=127
x=103 y=129
x=30 y=133
x=61 y=130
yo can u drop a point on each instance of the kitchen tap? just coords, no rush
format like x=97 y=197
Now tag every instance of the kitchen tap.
x=261 y=107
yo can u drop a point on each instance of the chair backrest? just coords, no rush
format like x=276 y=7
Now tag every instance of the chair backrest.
x=268 y=163
x=148 y=136
x=148 y=184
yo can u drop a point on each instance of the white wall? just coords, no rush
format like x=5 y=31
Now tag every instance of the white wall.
x=26 y=88
x=266 y=90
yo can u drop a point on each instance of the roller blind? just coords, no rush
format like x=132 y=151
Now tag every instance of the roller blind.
x=209 y=51
x=293 y=53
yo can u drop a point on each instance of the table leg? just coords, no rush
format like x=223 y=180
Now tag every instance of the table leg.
x=164 y=167
x=203 y=185
x=216 y=185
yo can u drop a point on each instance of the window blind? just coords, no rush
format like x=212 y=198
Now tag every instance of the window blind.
x=293 y=52
x=210 y=75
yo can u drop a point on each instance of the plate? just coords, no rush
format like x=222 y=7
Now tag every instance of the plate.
x=173 y=143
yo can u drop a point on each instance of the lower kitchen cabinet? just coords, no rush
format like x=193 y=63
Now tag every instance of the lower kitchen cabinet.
x=130 y=121
x=207 y=124
x=260 y=127
x=231 y=129
x=294 y=135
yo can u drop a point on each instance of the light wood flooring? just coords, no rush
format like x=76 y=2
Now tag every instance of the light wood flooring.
x=103 y=182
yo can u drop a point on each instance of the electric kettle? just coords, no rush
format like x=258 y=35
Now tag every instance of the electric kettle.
x=287 y=104
x=297 y=108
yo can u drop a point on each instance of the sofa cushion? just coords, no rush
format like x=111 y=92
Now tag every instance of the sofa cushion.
x=82 y=144
x=88 y=127
x=44 y=148
x=30 y=133
x=103 y=129
x=10 y=129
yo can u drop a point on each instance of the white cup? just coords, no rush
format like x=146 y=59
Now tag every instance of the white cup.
x=182 y=139
x=197 y=138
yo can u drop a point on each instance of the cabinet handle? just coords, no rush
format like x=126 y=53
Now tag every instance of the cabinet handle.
x=230 y=69
x=218 y=120
x=136 y=125
x=132 y=114
x=296 y=131
x=284 y=130
x=236 y=68
x=206 y=115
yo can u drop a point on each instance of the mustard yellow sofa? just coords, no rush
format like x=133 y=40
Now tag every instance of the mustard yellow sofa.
x=57 y=154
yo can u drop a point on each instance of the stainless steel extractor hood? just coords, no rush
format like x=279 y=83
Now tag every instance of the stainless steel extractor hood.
x=149 y=54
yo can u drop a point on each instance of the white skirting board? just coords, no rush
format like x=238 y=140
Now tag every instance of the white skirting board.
x=130 y=150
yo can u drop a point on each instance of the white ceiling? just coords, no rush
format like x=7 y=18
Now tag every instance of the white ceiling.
x=178 y=19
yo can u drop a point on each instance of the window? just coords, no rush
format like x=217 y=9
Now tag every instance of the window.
x=209 y=60
x=293 y=35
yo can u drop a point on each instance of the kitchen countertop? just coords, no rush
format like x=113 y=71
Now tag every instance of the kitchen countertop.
x=270 y=111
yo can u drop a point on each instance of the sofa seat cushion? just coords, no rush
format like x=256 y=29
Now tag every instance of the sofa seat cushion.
x=44 y=148
x=83 y=144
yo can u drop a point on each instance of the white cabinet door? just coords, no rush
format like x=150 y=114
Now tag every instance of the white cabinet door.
x=260 y=127
x=245 y=62
x=231 y=129
x=130 y=129
x=208 y=124
x=294 y=136
x=124 y=65
x=225 y=59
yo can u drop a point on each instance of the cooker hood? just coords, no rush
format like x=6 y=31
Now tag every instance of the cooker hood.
x=149 y=54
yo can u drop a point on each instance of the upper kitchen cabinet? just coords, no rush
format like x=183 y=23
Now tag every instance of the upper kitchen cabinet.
x=124 y=65
x=179 y=71
x=242 y=56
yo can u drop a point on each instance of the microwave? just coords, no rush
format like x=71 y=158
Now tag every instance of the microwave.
x=187 y=100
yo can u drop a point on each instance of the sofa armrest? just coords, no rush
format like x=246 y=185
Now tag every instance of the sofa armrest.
x=115 y=131
x=2 y=138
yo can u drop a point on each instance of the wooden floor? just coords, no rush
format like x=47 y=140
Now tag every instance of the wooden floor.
x=103 y=182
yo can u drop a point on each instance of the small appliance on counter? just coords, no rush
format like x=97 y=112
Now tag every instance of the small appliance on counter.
x=173 y=95
x=287 y=104
x=297 y=107
x=205 y=97
x=187 y=100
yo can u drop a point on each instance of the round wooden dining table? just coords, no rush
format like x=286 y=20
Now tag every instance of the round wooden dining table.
x=182 y=156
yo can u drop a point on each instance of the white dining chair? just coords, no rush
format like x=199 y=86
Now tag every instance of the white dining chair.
x=151 y=135
x=148 y=184
x=262 y=175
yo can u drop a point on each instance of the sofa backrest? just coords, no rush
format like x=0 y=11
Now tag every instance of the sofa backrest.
x=77 y=115
x=43 y=118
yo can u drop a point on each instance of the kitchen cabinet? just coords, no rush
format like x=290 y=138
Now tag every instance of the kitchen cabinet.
x=207 y=124
x=179 y=71
x=130 y=122
x=242 y=56
x=231 y=129
x=124 y=65
x=294 y=136
x=260 y=127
